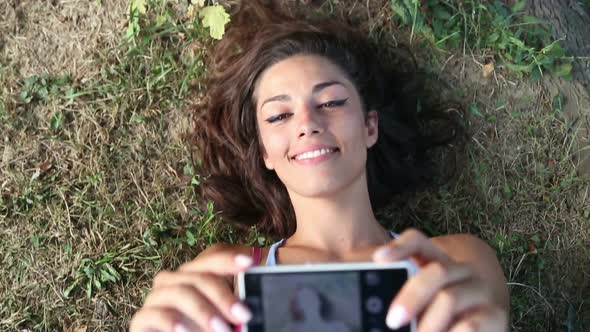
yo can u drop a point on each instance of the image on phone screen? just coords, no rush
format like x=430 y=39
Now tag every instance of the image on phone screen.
x=335 y=301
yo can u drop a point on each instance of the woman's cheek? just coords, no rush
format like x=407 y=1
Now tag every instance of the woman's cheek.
x=276 y=146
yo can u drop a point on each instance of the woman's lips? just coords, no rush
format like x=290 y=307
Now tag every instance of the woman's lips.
x=316 y=160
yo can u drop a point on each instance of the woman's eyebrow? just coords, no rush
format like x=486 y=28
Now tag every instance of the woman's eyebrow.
x=321 y=86
x=282 y=98
x=316 y=89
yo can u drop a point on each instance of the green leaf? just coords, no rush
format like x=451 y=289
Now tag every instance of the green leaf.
x=161 y=20
x=136 y=8
x=105 y=276
x=519 y=68
x=89 y=289
x=215 y=18
x=507 y=191
x=553 y=50
x=132 y=28
x=25 y=96
x=70 y=288
x=112 y=271
x=532 y=20
x=88 y=271
x=519 y=43
x=137 y=118
x=43 y=93
x=195 y=181
x=36 y=241
x=493 y=37
x=564 y=70
x=68 y=249
x=139 y=5
x=441 y=13
x=519 y=6
x=558 y=103
x=30 y=81
x=56 y=121
x=188 y=169
x=401 y=9
x=536 y=74
x=474 y=109
x=190 y=238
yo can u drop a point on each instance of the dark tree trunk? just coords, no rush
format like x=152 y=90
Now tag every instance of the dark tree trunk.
x=571 y=21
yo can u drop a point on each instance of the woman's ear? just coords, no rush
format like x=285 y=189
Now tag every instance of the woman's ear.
x=372 y=123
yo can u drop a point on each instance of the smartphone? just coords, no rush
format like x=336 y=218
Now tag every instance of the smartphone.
x=332 y=297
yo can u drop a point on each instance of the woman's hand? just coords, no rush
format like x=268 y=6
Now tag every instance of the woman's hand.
x=196 y=297
x=447 y=295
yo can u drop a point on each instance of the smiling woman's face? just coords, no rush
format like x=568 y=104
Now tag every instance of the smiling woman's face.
x=312 y=126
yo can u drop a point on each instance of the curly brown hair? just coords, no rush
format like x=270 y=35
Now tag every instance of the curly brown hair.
x=226 y=135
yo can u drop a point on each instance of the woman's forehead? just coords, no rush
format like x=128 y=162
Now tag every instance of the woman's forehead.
x=299 y=72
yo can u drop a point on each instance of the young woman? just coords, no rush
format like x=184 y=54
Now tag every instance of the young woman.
x=306 y=134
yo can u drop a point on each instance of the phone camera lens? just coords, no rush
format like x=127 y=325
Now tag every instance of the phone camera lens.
x=374 y=305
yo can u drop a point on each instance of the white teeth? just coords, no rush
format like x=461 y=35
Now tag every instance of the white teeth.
x=313 y=154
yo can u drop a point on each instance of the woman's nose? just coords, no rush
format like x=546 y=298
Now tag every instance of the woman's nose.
x=309 y=121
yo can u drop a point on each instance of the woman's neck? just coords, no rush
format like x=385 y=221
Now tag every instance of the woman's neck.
x=339 y=223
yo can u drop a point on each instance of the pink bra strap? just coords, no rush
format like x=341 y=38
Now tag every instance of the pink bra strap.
x=256 y=255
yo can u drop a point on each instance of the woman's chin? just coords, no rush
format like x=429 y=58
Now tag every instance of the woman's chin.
x=319 y=191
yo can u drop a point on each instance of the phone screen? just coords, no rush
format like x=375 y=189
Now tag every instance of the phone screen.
x=331 y=301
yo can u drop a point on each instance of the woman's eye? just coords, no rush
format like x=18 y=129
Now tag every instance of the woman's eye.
x=333 y=103
x=330 y=104
x=277 y=118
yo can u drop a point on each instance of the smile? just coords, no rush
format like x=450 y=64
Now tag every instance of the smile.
x=314 y=154
x=315 y=157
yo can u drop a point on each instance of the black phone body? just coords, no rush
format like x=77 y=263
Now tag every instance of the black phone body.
x=333 y=297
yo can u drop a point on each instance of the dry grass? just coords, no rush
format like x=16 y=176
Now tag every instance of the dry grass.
x=94 y=176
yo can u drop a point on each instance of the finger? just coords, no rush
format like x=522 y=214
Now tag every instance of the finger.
x=410 y=243
x=192 y=304
x=450 y=302
x=214 y=288
x=159 y=319
x=490 y=319
x=420 y=290
x=222 y=263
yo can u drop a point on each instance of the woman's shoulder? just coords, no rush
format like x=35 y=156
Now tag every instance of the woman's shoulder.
x=237 y=249
x=226 y=247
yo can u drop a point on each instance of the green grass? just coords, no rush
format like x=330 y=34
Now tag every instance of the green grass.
x=518 y=42
x=97 y=185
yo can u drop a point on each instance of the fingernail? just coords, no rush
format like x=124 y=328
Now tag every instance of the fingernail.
x=243 y=260
x=180 y=328
x=396 y=317
x=241 y=312
x=218 y=325
x=382 y=254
